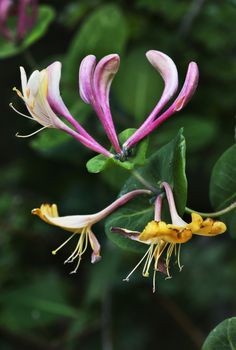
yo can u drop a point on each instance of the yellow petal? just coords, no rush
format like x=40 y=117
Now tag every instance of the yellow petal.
x=166 y=232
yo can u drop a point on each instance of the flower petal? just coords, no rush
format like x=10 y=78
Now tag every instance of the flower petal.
x=104 y=73
x=167 y=69
x=72 y=223
x=53 y=96
x=189 y=87
x=86 y=72
x=95 y=257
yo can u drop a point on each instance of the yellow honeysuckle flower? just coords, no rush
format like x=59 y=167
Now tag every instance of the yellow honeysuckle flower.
x=163 y=237
x=82 y=225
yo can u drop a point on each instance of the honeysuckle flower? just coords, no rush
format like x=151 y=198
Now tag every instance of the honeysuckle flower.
x=82 y=225
x=94 y=86
x=25 y=12
x=167 y=69
x=163 y=237
x=42 y=98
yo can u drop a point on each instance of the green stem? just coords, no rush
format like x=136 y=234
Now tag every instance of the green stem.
x=215 y=214
x=144 y=182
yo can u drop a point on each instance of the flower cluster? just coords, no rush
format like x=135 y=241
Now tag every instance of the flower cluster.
x=163 y=237
x=41 y=95
x=25 y=12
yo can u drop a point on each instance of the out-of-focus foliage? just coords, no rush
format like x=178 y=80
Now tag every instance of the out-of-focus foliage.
x=45 y=17
x=42 y=305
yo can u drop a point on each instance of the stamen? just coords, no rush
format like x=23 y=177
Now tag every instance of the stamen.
x=18 y=92
x=33 y=133
x=139 y=263
x=23 y=115
x=74 y=253
x=168 y=256
x=154 y=281
x=64 y=243
x=148 y=261
x=80 y=251
x=178 y=259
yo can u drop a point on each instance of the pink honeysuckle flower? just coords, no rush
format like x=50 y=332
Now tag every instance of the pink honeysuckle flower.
x=82 y=225
x=25 y=11
x=94 y=86
x=42 y=98
x=168 y=71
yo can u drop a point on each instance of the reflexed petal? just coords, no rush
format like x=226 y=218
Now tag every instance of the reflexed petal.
x=167 y=69
x=104 y=73
x=33 y=82
x=210 y=227
x=23 y=80
x=189 y=87
x=126 y=233
x=73 y=223
x=95 y=257
x=86 y=72
x=54 y=96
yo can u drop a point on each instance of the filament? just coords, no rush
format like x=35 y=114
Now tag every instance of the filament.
x=22 y=114
x=33 y=133
x=64 y=243
x=127 y=278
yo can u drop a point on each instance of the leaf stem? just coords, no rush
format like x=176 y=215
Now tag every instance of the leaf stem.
x=232 y=206
x=143 y=181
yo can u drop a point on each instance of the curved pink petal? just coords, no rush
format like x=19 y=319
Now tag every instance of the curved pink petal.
x=55 y=101
x=104 y=73
x=189 y=87
x=186 y=93
x=86 y=72
x=168 y=71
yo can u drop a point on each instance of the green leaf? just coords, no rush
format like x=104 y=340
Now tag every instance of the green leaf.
x=199 y=132
x=137 y=158
x=133 y=216
x=166 y=164
x=45 y=17
x=103 y=32
x=223 y=337
x=137 y=86
x=38 y=303
x=223 y=186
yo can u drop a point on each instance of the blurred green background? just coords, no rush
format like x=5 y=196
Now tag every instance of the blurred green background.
x=42 y=305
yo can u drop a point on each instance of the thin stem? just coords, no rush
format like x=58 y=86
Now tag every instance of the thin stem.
x=144 y=182
x=231 y=207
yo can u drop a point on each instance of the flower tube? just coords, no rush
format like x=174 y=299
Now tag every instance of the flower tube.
x=82 y=225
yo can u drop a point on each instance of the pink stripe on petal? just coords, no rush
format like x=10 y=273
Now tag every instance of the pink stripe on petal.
x=88 y=143
x=104 y=73
x=55 y=101
x=86 y=72
x=189 y=87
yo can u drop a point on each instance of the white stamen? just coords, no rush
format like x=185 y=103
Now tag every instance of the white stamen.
x=33 y=133
x=127 y=278
x=18 y=112
x=64 y=243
